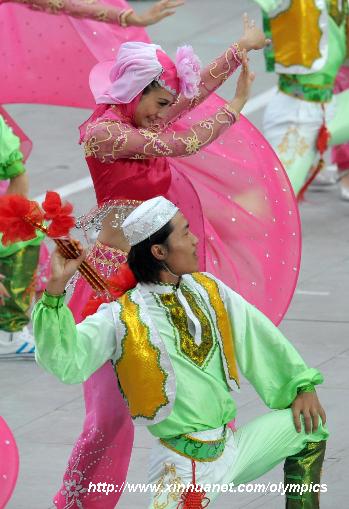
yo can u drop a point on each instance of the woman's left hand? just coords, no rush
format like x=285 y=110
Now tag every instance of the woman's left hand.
x=158 y=12
x=254 y=37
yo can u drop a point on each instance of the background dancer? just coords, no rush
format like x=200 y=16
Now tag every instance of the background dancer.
x=340 y=153
x=308 y=48
x=19 y=261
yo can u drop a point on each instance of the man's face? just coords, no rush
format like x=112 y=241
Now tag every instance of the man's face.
x=182 y=257
x=153 y=107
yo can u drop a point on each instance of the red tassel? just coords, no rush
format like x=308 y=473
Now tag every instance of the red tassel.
x=194 y=497
x=313 y=174
x=321 y=145
x=323 y=139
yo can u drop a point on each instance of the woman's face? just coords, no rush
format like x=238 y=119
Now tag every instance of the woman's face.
x=153 y=107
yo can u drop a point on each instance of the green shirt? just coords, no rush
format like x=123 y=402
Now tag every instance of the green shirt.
x=202 y=398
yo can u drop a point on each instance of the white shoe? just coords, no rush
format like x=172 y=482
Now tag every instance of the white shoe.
x=17 y=345
x=344 y=193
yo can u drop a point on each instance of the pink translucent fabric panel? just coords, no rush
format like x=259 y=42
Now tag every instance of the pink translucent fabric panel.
x=9 y=463
x=252 y=227
x=47 y=59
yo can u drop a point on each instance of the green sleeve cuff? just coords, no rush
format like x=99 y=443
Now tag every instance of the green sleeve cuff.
x=13 y=166
x=306 y=388
x=287 y=394
x=53 y=301
x=15 y=169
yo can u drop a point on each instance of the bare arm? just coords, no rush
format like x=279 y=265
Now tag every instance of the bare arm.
x=99 y=11
x=218 y=71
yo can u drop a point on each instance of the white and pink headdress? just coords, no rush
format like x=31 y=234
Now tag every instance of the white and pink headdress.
x=137 y=64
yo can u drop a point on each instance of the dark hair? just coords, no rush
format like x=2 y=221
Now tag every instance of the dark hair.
x=154 y=84
x=141 y=261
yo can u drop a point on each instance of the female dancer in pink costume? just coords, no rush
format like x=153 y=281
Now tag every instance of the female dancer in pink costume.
x=9 y=463
x=233 y=190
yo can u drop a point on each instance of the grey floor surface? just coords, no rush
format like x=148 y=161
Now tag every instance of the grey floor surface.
x=46 y=416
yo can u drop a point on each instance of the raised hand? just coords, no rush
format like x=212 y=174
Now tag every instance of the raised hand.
x=62 y=269
x=158 y=12
x=243 y=86
x=253 y=37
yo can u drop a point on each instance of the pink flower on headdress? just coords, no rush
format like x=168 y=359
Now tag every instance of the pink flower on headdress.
x=188 y=71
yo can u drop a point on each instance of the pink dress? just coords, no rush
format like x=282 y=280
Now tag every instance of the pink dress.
x=9 y=463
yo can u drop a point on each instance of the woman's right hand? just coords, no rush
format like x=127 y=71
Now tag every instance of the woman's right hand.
x=243 y=86
x=63 y=269
x=253 y=37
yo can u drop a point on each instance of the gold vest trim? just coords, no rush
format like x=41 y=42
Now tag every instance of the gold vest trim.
x=144 y=385
x=222 y=321
x=296 y=34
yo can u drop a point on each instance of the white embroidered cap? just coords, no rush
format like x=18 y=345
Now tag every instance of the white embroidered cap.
x=147 y=219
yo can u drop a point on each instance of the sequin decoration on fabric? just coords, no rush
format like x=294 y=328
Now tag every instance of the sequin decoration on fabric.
x=223 y=323
x=144 y=358
x=81 y=465
x=164 y=497
x=196 y=353
x=195 y=449
x=304 y=469
x=106 y=259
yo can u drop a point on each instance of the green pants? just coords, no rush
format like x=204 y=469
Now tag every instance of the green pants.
x=19 y=270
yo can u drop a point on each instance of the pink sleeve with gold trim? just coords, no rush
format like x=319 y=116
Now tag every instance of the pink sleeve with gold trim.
x=212 y=77
x=109 y=140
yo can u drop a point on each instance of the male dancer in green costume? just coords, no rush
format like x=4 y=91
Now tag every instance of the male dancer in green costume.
x=176 y=340
x=308 y=47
